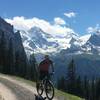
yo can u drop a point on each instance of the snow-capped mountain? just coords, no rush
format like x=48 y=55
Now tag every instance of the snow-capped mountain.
x=89 y=44
x=38 y=41
x=93 y=44
x=65 y=46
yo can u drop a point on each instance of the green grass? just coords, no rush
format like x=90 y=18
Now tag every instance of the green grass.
x=65 y=96
x=58 y=94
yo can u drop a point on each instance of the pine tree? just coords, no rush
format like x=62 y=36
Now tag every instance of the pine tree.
x=79 y=87
x=71 y=77
x=98 y=89
x=11 y=60
x=33 y=68
x=86 y=88
x=93 y=90
x=17 y=64
x=3 y=51
x=61 y=84
x=21 y=63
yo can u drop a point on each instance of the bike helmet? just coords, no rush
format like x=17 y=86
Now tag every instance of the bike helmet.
x=46 y=56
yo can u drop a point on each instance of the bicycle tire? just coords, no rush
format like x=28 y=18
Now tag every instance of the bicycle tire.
x=49 y=85
x=39 y=87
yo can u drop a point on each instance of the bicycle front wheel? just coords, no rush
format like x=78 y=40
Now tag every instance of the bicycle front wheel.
x=49 y=90
x=39 y=88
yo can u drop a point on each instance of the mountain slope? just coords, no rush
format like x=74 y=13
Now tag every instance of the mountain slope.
x=85 y=64
x=43 y=42
x=39 y=41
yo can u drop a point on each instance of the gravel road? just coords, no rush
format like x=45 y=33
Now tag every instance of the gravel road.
x=20 y=92
x=12 y=89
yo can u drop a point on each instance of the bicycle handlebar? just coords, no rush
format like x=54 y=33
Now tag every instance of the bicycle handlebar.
x=51 y=73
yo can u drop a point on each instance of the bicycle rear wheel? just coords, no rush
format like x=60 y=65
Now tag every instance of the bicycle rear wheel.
x=49 y=90
x=39 y=87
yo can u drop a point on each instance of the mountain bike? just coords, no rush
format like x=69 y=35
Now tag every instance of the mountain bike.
x=47 y=86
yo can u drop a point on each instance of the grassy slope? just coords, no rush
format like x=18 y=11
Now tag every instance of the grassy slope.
x=59 y=94
x=65 y=96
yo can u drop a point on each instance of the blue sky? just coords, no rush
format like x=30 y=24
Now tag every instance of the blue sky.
x=86 y=12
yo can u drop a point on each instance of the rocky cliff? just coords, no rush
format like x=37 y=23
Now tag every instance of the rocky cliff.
x=12 y=54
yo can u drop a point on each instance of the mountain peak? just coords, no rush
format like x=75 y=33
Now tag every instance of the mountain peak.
x=36 y=29
x=98 y=32
x=95 y=39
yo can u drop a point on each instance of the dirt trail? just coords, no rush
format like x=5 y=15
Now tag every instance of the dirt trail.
x=6 y=93
x=17 y=89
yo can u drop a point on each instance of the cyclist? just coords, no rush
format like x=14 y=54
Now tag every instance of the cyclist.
x=45 y=83
x=44 y=67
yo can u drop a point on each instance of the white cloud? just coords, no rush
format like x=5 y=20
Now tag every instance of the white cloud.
x=95 y=29
x=90 y=29
x=70 y=14
x=22 y=23
x=59 y=21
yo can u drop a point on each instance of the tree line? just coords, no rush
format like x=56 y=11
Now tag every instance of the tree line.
x=82 y=87
x=15 y=62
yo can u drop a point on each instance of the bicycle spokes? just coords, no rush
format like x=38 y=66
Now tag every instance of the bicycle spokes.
x=40 y=88
x=49 y=90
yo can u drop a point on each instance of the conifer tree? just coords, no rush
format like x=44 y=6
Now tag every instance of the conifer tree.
x=33 y=68
x=17 y=64
x=11 y=58
x=79 y=87
x=71 y=77
x=86 y=88
x=93 y=90
x=61 y=84
x=3 y=51
x=98 y=89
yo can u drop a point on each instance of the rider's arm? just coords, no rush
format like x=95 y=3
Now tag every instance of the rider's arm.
x=39 y=66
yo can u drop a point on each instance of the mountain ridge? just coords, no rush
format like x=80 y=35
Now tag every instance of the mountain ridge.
x=42 y=42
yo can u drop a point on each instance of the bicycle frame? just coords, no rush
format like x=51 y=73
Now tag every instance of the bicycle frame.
x=46 y=79
x=44 y=86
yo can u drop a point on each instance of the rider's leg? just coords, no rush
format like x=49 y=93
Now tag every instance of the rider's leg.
x=48 y=75
x=41 y=77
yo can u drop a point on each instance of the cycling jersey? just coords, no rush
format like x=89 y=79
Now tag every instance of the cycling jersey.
x=45 y=64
